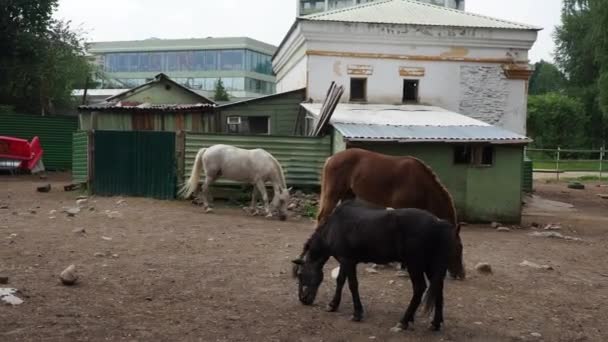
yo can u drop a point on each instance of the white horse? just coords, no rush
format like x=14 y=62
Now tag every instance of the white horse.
x=250 y=166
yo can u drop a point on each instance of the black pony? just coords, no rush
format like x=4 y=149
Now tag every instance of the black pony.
x=355 y=233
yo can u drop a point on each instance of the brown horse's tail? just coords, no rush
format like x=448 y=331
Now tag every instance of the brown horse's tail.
x=452 y=214
x=324 y=198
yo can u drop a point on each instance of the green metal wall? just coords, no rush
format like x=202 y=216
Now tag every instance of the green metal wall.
x=55 y=133
x=80 y=157
x=302 y=158
x=282 y=109
x=481 y=194
x=528 y=175
x=134 y=164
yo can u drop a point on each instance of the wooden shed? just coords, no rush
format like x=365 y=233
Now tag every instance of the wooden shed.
x=159 y=105
x=275 y=114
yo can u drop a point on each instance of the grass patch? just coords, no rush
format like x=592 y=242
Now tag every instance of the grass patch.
x=571 y=165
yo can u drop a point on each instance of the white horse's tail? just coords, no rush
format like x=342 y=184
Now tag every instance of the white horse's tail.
x=190 y=186
x=280 y=171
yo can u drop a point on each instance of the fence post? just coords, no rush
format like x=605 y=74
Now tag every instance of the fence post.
x=602 y=149
x=557 y=163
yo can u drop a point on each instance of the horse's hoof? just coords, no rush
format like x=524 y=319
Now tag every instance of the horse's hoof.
x=331 y=308
x=208 y=211
x=435 y=327
x=356 y=317
x=398 y=328
x=268 y=215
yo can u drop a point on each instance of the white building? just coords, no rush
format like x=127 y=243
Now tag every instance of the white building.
x=405 y=51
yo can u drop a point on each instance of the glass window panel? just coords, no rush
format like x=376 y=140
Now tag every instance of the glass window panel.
x=231 y=60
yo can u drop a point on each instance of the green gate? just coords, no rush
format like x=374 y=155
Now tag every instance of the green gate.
x=134 y=164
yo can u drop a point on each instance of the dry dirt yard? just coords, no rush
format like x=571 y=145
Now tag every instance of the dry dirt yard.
x=164 y=271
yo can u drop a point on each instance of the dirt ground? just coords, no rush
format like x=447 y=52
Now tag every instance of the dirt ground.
x=165 y=271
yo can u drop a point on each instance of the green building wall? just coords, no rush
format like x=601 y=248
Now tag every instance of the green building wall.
x=163 y=93
x=283 y=110
x=481 y=194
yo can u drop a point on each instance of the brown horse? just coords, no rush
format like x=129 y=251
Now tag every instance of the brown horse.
x=388 y=181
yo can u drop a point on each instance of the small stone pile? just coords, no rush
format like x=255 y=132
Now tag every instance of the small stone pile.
x=303 y=204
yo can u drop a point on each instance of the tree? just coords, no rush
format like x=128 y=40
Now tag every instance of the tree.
x=582 y=53
x=220 y=92
x=41 y=59
x=546 y=79
x=551 y=123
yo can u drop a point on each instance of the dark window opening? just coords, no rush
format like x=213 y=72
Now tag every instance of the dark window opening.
x=248 y=125
x=258 y=124
x=358 y=89
x=474 y=155
x=462 y=154
x=410 y=90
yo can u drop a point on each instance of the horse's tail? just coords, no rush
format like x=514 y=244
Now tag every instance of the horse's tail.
x=453 y=216
x=324 y=198
x=438 y=266
x=190 y=186
x=279 y=170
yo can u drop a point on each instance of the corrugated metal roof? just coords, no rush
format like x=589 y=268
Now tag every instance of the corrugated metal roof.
x=358 y=132
x=145 y=107
x=415 y=123
x=410 y=12
x=410 y=115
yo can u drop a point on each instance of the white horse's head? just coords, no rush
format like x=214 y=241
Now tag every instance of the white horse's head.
x=280 y=203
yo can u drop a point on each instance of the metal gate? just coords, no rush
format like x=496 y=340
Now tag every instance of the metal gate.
x=134 y=164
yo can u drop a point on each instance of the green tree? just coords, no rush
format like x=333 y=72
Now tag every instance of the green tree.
x=220 y=92
x=41 y=59
x=546 y=79
x=551 y=123
x=582 y=53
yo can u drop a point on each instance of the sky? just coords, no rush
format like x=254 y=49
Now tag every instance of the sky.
x=265 y=20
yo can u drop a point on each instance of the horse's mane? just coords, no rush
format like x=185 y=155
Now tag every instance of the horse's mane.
x=279 y=170
x=444 y=190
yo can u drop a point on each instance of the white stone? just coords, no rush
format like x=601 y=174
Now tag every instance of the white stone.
x=7 y=295
x=69 y=276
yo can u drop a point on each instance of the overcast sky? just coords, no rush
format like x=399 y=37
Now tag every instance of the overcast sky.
x=265 y=20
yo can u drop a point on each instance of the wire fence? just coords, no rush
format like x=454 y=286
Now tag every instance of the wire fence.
x=569 y=163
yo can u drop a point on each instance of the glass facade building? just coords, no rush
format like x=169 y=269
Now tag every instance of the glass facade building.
x=243 y=64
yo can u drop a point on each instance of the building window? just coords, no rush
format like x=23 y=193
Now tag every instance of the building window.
x=358 y=89
x=248 y=124
x=410 y=91
x=474 y=155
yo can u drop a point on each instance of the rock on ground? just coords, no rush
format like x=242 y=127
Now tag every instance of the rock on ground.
x=69 y=276
x=484 y=268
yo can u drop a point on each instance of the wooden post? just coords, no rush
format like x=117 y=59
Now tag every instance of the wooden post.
x=180 y=155
x=602 y=149
x=91 y=162
x=557 y=163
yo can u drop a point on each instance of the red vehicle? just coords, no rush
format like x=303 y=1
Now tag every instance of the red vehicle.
x=18 y=153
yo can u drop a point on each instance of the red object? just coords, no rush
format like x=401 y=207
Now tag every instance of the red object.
x=20 y=149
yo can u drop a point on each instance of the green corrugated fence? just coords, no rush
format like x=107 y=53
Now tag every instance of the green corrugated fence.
x=302 y=158
x=80 y=157
x=528 y=175
x=134 y=164
x=55 y=133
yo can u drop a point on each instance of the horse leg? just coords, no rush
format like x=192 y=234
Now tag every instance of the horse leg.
x=437 y=285
x=335 y=302
x=353 y=284
x=419 y=285
x=252 y=208
x=205 y=192
x=262 y=189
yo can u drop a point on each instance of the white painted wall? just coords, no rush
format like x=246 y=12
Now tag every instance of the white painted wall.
x=478 y=89
x=295 y=78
